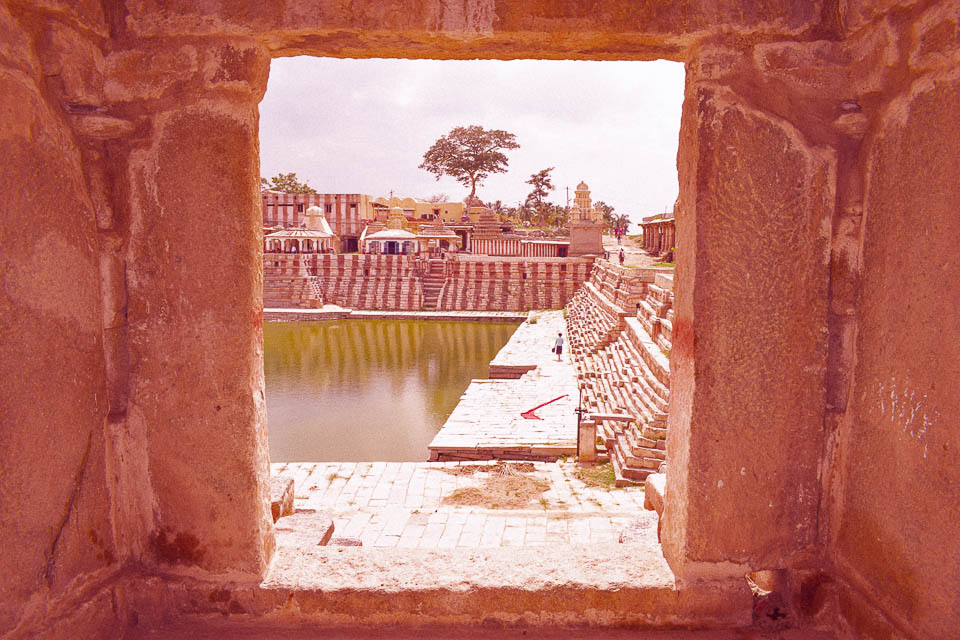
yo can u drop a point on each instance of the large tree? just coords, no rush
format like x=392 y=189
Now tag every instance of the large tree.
x=469 y=155
x=286 y=183
x=542 y=186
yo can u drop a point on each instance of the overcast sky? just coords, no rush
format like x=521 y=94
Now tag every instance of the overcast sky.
x=362 y=126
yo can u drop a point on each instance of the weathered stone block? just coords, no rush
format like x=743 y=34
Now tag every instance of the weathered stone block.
x=75 y=62
x=196 y=387
x=896 y=530
x=281 y=497
x=935 y=38
x=653 y=491
x=145 y=73
x=750 y=339
x=55 y=518
x=303 y=529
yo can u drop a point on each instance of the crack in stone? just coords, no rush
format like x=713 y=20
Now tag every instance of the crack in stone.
x=77 y=481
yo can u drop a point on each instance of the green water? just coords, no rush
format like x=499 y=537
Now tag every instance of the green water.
x=360 y=390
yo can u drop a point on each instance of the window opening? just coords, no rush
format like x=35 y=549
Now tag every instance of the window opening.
x=360 y=349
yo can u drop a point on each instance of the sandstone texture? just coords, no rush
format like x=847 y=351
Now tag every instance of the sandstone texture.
x=897 y=530
x=756 y=333
x=56 y=505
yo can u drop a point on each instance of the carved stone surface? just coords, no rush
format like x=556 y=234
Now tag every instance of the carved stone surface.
x=756 y=332
x=900 y=469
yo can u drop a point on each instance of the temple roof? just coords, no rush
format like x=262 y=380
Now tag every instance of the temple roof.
x=391 y=234
x=433 y=232
x=300 y=233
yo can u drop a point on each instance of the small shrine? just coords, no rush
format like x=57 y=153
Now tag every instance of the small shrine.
x=437 y=236
x=393 y=239
x=586 y=228
x=488 y=225
x=314 y=235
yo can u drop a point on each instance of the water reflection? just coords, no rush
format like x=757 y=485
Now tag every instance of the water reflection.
x=369 y=389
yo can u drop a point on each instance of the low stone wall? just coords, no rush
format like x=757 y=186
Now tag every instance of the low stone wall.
x=395 y=283
x=352 y=280
x=361 y=281
x=287 y=282
x=521 y=284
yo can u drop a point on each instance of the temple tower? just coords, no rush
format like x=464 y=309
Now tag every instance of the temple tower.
x=585 y=227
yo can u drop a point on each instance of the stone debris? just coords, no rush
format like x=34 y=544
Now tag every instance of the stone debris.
x=281 y=497
x=304 y=528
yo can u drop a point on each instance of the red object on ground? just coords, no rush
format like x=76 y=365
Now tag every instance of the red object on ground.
x=530 y=415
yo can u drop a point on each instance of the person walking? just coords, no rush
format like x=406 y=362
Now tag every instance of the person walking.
x=558 y=346
x=622 y=256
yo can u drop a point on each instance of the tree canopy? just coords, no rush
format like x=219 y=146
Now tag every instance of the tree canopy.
x=469 y=155
x=286 y=183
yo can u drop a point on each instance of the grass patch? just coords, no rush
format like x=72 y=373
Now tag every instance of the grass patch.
x=665 y=264
x=500 y=492
x=500 y=469
x=506 y=488
x=599 y=476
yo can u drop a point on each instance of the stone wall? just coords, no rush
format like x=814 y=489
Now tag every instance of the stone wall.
x=895 y=475
x=61 y=331
x=388 y=282
x=369 y=281
x=511 y=284
x=287 y=281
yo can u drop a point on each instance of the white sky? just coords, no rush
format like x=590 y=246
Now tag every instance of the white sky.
x=362 y=126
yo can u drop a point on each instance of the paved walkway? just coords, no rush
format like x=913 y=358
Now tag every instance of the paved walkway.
x=487 y=422
x=633 y=253
x=407 y=504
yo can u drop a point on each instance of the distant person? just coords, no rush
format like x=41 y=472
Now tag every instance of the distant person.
x=606 y=254
x=558 y=346
x=622 y=256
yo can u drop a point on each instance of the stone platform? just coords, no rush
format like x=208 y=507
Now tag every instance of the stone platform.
x=487 y=422
x=406 y=505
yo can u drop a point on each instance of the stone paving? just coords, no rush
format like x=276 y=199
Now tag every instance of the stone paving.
x=400 y=505
x=487 y=422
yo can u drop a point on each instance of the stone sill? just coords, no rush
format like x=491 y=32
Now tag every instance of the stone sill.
x=626 y=585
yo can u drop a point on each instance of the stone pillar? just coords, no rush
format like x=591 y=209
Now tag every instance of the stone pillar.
x=587 y=441
x=55 y=391
x=195 y=311
x=750 y=340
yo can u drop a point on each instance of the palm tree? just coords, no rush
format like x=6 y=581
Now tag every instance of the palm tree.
x=620 y=224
